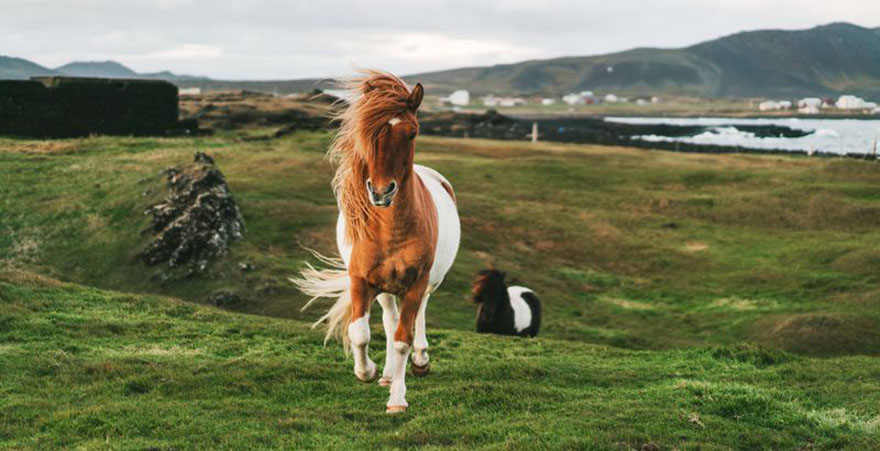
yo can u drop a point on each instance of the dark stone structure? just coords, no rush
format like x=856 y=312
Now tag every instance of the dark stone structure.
x=66 y=107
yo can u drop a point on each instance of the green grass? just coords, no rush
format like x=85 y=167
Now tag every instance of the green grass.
x=692 y=301
x=632 y=248
x=87 y=368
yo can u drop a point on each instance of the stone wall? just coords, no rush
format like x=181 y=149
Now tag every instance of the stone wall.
x=63 y=107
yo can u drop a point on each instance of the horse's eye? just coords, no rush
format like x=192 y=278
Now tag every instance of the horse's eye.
x=412 y=135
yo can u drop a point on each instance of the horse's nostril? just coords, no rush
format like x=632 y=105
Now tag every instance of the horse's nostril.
x=392 y=187
x=369 y=186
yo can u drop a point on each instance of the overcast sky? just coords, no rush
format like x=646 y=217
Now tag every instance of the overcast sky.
x=266 y=39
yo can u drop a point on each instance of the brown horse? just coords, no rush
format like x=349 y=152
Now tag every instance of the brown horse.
x=398 y=232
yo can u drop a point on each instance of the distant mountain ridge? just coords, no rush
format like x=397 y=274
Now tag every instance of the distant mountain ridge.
x=18 y=68
x=828 y=60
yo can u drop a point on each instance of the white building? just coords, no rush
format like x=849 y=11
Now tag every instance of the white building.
x=573 y=99
x=511 y=101
x=611 y=98
x=458 y=98
x=189 y=91
x=769 y=105
x=847 y=102
x=784 y=104
x=490 y=100
x=807 y=102
x=548 y=101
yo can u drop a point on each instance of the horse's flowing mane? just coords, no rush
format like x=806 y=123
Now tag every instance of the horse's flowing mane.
x=375 y=98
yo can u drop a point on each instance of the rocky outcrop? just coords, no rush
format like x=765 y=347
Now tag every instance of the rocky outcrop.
x=198 y=220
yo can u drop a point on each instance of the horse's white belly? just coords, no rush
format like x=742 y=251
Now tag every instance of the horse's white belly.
x=522 y=313
x=449 y=227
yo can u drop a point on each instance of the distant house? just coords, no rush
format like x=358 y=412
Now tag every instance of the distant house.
x=611 y=98
x=492 y=101
x=458 y=98
x=808 y=102
x=189 y=91
x=547 y=101
x=511 y=101
x=769 y=105
x=784 y=104
x=849 y=102
x=573 y=99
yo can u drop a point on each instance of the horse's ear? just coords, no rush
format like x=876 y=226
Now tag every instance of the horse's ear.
x=415 y=97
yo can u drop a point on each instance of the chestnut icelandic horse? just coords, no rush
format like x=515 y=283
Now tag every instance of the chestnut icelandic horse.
x=398 y=232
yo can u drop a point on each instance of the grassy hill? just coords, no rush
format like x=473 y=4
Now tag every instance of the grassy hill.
x=826 y=60
x=86 y=368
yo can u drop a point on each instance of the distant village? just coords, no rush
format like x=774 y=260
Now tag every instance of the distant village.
x=463 y=98
x=807 y=105
x=815 y=105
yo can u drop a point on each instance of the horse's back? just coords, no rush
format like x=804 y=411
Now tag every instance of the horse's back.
x=448 y=225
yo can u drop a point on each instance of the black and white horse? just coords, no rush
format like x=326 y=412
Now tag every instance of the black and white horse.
x=505 y=310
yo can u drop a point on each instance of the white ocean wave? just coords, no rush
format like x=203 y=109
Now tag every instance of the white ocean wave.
x=827 y=135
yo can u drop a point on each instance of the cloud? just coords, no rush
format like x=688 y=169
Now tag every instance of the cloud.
x=185 y=52
x=433 y=50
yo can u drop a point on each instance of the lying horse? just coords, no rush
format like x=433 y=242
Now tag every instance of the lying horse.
x=505 y=310
x=398 y=232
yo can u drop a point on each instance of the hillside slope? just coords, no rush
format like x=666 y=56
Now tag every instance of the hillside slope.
x=825 y=60
x=95 y=369
x=21 y=69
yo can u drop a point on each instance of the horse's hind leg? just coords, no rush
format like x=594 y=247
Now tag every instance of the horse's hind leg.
x=389 y=322
x=420 y=365
x=359 y=330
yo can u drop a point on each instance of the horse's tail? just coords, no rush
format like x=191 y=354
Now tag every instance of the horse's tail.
x=332 y=282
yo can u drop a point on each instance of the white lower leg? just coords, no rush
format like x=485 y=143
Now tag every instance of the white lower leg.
x=398 y=382
x=389 y=322
x=420 y=341
x=359 y=334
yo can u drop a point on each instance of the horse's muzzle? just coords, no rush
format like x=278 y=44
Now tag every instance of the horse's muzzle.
x=383 y=199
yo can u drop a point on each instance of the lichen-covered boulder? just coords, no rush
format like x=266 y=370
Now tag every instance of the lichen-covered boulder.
x=197 y=221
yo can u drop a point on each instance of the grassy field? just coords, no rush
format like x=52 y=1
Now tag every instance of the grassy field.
x=632 y=248
x=90 y=369
x=722 y=301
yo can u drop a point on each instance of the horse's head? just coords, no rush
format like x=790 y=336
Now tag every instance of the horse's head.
x=489 y=287
x=389 y=167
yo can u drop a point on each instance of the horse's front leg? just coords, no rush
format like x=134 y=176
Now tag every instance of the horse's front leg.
x=403 y=341
x=359 y=329
x=420 y=364
x=389 y=322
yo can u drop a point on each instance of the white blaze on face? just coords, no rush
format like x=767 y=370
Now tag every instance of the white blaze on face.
x=394 y=121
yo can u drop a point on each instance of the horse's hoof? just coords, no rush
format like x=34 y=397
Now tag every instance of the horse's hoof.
x=419 y=371
x=368 y=377
x=394 y=410
x=384 y=381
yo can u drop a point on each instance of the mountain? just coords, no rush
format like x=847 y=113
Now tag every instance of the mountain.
x=19 y=69
x=825 y=60
x=101 y=69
